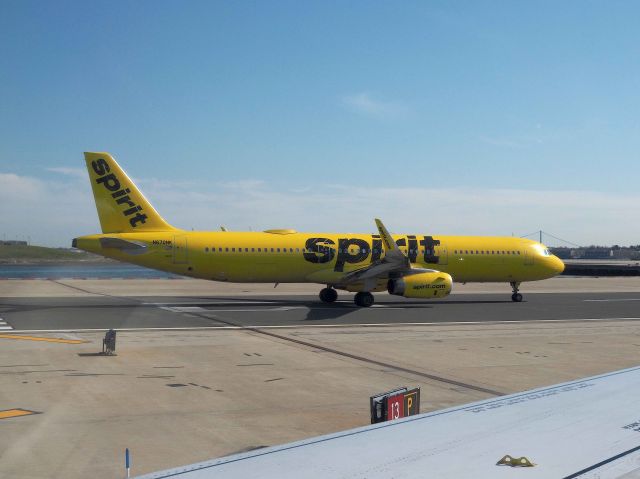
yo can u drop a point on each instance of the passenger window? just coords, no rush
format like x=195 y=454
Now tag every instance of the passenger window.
x=253 y=250
x=272 y=250
x=226 y=249
x=233 y=250
x=206 y=250
x=297 y=250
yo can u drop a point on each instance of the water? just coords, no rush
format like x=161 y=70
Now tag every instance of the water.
x=80 y=270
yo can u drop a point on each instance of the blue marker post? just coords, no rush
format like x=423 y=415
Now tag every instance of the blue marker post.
x=127 y=462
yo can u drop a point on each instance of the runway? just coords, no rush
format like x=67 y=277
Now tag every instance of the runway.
x=258 y=311
x=206 y=369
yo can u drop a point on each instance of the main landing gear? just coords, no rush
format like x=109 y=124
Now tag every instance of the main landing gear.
x=517 y=297
x=363 y=299
x=328 y=295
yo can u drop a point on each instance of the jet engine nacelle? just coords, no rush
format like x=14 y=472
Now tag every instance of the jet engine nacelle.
x=421 y=285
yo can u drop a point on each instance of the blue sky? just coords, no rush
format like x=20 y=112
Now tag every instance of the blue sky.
x=458 y=102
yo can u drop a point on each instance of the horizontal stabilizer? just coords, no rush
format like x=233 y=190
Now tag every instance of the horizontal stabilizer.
x=129 y=247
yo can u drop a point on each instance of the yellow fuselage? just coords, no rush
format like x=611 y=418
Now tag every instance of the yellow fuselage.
x=284 y=256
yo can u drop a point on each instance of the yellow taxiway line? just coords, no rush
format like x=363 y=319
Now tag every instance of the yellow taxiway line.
x=9 y=413
x=37 y=338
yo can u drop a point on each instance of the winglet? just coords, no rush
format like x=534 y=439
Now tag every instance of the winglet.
x=387 y=240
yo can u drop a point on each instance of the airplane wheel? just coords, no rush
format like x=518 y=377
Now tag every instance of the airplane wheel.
x=363 y=299
x=328 y=295
x=517 y=297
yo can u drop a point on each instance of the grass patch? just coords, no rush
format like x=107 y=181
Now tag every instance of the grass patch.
x=23 y=253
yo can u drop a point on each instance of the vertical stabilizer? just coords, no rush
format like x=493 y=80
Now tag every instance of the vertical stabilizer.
x=122 y=208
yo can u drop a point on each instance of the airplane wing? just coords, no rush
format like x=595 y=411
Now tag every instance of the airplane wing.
x=393 y=262
x=588 y=428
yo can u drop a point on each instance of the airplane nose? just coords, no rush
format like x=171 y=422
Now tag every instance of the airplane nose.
x=557 y=265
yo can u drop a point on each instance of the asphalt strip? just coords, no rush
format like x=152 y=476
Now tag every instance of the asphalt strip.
x=341 y=325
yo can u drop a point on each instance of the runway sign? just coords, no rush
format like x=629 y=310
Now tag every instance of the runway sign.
x=394 y=404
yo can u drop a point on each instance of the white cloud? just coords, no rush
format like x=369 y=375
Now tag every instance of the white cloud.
x=580 y=216
x=54 y=211
x=75 y=172
x=14 y=187
x=51 y=212
x=364 y=103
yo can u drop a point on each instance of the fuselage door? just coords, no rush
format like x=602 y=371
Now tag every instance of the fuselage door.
x=528 y=257
x=180 y=255
x=443 y=255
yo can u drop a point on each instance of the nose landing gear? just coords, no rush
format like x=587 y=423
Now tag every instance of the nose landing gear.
x=517 y=297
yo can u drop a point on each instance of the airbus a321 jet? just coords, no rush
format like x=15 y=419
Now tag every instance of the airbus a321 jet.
x=413 y=265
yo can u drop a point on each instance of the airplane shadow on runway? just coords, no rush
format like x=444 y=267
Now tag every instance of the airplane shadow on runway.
x=318 y=311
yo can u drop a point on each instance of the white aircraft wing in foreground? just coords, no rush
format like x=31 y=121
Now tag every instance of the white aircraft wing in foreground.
x=581 y=429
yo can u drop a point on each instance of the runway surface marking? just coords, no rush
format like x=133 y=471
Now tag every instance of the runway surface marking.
x=212 y=307
x=341 y=325
x=610 y=300
x=191 y=309
x=208 y=303
x=9 y=413
x=4 y=326
x=48 y=340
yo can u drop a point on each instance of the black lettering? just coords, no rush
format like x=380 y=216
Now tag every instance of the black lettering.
x=429 y=244
x=125 y=199
x=139 y=218
x=131 y=211
x=413 y=249
x=110 y=182
x=120 y=193
x=163 y=242
x=344 y=256
x=100 y=167
x=376 y=248
x=317 y=251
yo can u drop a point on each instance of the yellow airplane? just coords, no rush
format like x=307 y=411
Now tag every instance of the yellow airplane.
x=413 y=266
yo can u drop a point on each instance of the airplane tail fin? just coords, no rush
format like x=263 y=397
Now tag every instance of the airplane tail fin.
x=122 y=208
